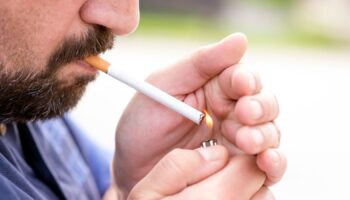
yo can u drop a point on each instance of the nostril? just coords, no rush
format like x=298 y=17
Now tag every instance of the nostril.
x=120 y=18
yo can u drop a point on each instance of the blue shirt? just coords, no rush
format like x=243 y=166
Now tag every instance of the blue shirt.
x=51 y=159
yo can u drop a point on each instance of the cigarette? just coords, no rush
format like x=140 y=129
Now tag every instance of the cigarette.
x=147 y=89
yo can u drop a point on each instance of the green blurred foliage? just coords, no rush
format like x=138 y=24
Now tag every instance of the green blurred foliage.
x=175 y=25
x=195 y=28
x=282 y=30
x=280 y=3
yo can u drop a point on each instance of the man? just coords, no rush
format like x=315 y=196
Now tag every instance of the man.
x=45 y=156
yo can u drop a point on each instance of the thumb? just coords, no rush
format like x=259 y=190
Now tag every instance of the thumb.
x=178 y=169
x=192 y=72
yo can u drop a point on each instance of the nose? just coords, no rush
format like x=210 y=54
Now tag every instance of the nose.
x=120 y=16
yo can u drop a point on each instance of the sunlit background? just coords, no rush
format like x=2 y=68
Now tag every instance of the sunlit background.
x=301 y=49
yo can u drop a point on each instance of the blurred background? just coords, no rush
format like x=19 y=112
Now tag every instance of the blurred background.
x=301 y=49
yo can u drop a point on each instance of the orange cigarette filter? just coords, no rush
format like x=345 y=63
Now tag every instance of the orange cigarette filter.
x=98 y=63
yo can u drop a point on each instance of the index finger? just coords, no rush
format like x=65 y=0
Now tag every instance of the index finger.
x=194 y=71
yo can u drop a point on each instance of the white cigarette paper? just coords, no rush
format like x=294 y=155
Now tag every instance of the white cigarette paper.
x=157 y=95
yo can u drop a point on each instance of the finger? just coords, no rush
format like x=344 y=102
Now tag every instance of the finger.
x=263 y=194
x=240 y=179
x=192 y=72
x=178 y=169
x=255 y=139
x=230 y=85
x=274 y=164
x=236 y=82
x=257 y=109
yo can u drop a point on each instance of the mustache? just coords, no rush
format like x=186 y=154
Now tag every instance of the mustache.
x=98 y=39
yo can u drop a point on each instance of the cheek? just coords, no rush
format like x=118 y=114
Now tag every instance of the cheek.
x=21 y=39
x=15 y=42
x=31 y=32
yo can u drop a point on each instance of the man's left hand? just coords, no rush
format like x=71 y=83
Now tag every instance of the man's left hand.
x=210 y=79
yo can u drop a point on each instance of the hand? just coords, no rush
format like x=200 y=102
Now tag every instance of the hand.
x=205 y=174
x=208 y=79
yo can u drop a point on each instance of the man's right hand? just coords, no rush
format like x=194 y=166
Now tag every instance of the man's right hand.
x=205 y=174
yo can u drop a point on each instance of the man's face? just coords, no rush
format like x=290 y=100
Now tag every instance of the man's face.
x=42 y=46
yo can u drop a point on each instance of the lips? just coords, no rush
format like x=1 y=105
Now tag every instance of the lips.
x=86 y=66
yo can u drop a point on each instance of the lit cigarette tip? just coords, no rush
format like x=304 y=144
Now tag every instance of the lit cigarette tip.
x=208 y=120
x=98 y=63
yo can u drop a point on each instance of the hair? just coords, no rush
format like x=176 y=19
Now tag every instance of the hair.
x=27 y=95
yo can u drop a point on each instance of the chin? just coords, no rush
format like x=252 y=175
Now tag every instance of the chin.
x=51 y=99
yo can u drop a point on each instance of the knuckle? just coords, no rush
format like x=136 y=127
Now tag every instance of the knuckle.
x=181 y=161
x=271 y=133
x=270 y=106
x=278 y=133
x=172 y=160
x=276 y=106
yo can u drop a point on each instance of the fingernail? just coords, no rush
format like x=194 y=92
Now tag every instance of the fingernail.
x=275 y=157
x=257 y=109
x=211 y=153
x=257 y=137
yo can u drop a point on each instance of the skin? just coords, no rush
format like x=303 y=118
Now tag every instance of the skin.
x=209 y=78
x=47 y=23
x=201 y=174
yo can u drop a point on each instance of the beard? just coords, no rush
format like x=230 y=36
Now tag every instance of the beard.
x=26 y=95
